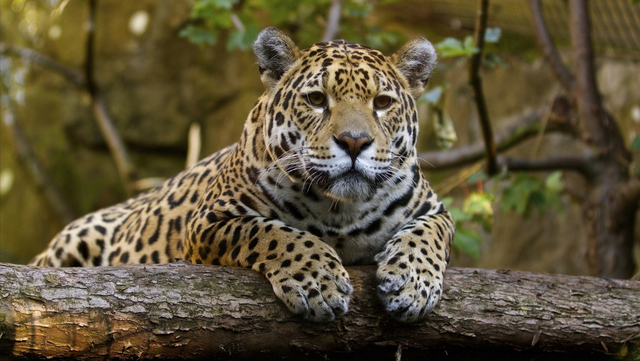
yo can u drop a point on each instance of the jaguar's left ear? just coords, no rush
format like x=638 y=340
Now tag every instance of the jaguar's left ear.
x=416 y=60
x=276 y=53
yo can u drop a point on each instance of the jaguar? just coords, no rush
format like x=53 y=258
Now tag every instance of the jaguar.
x=325 y=175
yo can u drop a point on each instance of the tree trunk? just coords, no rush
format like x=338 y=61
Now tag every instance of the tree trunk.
x=610 y=227
x=612 y=196
x=184 y=311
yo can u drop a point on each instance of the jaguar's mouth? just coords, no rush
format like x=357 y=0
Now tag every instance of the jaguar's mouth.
x=350 y=185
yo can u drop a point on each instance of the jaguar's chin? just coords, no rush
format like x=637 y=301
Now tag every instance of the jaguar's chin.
x=349 y=186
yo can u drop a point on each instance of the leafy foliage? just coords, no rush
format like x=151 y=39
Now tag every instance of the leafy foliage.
x=635 y=143
x=635 y=147
x=304 y=20
x=492 y=35
x=452 y=47
x=492 y=60
x=476 y=209
x=522 y=193
x=526 y=192
x=445 y=132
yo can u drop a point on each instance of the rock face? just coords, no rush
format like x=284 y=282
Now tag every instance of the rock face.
x=156 y=84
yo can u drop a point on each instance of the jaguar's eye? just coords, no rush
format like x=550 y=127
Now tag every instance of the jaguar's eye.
x=381 y=102
x=317 y=99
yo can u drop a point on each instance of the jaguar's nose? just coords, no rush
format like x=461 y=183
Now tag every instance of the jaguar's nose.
x=353 y=144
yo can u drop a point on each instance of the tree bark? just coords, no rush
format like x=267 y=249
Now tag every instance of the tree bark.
x=609 y=228
x=184 y=311
x=612 y=197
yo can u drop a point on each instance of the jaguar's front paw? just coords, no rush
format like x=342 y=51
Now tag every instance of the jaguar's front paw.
x=408 y=288
x=319 y=291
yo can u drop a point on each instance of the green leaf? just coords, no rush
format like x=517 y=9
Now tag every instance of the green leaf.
x=527 y=191
x=219 y=20
x=198 y=35
x=538 y=199
x=517 y=196
x=468 y=44
x=492 y=60
x=477 y=209
x=492 y=35
x=302 y=15
x=458 y=215
x=554 y=182
x=479 y=206
x=553 y=186
x=449 y=44
x=447 y=201
x=510 y=199
x=379 y=39
x=208 y=5
x=635 y=143
x=451 y=47
x=224 y=4
x=357 y=9
x=467 y=241
x=243 y=39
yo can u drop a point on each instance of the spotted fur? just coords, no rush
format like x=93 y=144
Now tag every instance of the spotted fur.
x=325 y=175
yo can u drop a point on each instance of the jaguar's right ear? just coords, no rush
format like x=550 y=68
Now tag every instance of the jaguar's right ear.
x=276 y=53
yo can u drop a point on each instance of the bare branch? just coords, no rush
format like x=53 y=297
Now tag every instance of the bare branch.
x=549 y=50
x=476 y=84
x=114 y=142
x=194 y=145
x=109 y=132
x=237 y=23
x=89 y=49
x=526 y=128
x=333 y=21
x=578 y=164
x=32 y=56
x=583 y=51
x=101 y=114
x=600 y=128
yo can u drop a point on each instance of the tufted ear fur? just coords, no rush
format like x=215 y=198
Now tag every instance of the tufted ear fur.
x=276 y=53
x=415 y=60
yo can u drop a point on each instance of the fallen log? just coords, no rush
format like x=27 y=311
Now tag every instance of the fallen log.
x=184 y=311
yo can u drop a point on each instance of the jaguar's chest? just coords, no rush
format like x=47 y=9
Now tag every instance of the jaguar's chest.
x=356 y=230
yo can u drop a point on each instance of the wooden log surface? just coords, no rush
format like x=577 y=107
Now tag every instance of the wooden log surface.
x=183 y=311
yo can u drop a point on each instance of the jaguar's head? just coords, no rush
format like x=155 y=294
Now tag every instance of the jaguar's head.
x=340 y=115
